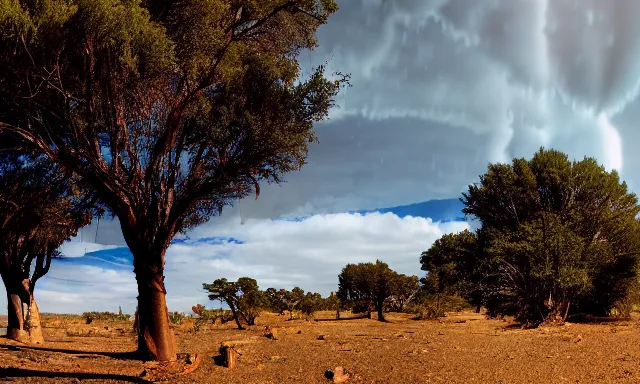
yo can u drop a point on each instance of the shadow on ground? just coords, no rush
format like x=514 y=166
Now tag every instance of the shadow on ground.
x=26 y=373
x=114 y=355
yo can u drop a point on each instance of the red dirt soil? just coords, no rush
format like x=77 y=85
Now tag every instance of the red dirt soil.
x=461 y=348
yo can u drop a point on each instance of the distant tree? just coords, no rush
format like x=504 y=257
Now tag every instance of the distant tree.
x=243 y=298
x=332 y=303
x=276 y=300
x=405 y=289
x=282 y=300
x=40 y=208
x=310 y=303
x=367 y=285
x=293 y=299
x=168 y=110
x=557 y=237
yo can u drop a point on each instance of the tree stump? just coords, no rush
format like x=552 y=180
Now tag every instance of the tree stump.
x=229 y=355
x=271 y=333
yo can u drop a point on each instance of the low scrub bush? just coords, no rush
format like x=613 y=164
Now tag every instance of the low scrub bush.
x=431 y=308
x=108 y=316
x=176 y=317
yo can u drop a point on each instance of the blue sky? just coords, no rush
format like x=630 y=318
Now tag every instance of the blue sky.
x=440 y=88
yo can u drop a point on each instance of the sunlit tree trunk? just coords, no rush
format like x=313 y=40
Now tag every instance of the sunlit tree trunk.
x=155 y=338
x=34 y=323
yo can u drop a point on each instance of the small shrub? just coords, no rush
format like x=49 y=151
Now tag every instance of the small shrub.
x=108 y=316
x=176 y=317
x=628 y=304
x=413 y=309
x=431 y=309
x=430 y=312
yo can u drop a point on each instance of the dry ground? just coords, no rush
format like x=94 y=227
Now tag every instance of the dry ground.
x=462 y=348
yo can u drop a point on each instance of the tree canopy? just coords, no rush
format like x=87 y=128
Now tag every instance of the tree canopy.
x=557 y=237
x=168 y=110
x=368 y=285
x=452 y=267
x=243 y=297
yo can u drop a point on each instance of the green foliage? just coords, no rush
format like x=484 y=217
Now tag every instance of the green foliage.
x=106 y=316
x=434 y=306
x=557 y=237
x=453 y=267
x=283 y=300
x=169 y=111
x=331 y=303
x=276 y=300
x=279 y=301
x=200 y=100
x=176 y=317
x=366 y=286
x=310 y=303
x=243 y=297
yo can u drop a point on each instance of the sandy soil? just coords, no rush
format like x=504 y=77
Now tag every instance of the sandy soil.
x=462 y=348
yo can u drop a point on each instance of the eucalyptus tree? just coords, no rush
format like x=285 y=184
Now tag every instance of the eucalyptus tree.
x=169 y=110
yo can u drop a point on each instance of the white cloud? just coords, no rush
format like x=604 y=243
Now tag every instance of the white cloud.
x=612 y=144
x=282 y=254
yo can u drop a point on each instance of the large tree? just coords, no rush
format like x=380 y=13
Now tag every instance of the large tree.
x=40 y=208
x=170 y=110
x=367 y=285
x=557 y=236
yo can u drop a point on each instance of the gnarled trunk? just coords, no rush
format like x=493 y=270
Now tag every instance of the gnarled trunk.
x=17 y=296
x=236 y=316
x=155 y=338
x=15 y=315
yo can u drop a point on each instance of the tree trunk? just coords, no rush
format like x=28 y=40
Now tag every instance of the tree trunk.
x=16 y=292
x=15 y=317
x=566 y=311
x=33 y=323
x=155 y=338
x=379 y=306
x=236 y=317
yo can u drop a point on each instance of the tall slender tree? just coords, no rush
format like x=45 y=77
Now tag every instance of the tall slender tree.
x=39 y=210
x=170 y=110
